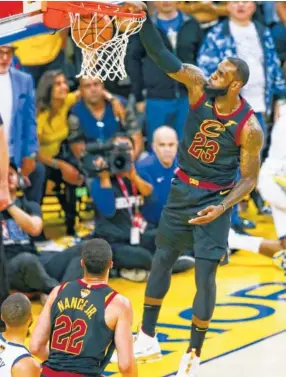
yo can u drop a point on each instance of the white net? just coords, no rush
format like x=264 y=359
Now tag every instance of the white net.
x=103 y=58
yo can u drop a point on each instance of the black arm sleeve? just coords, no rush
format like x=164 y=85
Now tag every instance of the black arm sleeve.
x=156 y=49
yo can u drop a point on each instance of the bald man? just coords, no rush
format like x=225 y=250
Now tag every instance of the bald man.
x=160 y=166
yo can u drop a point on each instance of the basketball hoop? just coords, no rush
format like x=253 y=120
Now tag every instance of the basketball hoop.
x=101 y=30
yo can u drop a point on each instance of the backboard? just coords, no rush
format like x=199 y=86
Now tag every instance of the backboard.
x=21 y=19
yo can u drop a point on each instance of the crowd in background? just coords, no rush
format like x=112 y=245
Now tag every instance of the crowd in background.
x=51 y=118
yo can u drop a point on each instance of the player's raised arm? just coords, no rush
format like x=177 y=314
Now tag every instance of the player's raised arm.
x=124 y=339
x=191 y=76
x=41 y=334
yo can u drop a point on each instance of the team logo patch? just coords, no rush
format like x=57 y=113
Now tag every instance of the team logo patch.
x=2 y=348
x=213 y=128
x=84 y=293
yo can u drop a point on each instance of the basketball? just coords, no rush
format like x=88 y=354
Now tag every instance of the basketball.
x=90 y=32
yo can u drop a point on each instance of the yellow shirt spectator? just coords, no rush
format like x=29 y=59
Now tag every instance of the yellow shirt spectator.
x=39 y=50
x=52 y=131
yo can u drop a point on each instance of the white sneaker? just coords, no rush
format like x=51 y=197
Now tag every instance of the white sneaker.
x=189 y=365
x=279 y=259
x=146 y=349
x=136 y=275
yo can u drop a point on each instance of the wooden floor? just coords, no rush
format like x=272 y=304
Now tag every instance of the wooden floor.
x=248 y=325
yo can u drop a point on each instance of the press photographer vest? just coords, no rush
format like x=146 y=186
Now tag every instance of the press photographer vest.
x=92 y=128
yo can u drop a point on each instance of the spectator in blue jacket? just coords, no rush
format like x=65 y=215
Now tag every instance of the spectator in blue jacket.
x=251 y=41
x=17 y=107
x=159 y=166
x=166 y=100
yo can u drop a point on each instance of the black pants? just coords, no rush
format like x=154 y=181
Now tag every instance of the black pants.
x=67 y=199
x=42 y=272
x=135 y=256
x=37 y=179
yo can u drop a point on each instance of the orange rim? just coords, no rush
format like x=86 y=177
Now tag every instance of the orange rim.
x=86 y=8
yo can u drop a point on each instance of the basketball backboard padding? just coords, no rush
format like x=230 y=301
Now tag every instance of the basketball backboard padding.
x=21 y=19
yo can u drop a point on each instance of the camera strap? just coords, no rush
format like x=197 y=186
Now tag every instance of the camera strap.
x=126 y=194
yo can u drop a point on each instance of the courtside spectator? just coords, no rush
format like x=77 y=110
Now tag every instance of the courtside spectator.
x=272 y=182
x=18 y=111
x=93 y=119
x=54 y=103
x=279 y=32
x=159 y=166
x=30 y=271
x=166 y=100
x=118 y=201
x=208 y=13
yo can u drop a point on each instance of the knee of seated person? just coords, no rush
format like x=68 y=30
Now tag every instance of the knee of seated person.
x=29 y=259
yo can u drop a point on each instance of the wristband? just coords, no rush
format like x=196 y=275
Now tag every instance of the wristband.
x=9 y=206
x=223 y=206
x=54 y=164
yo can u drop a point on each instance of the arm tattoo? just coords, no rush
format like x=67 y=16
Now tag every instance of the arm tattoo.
x=251 y=144
x=190 y=75
x=193 y=78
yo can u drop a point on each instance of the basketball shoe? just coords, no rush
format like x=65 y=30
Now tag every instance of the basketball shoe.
x=146 y=349
x=189 y=365
x=279 y=259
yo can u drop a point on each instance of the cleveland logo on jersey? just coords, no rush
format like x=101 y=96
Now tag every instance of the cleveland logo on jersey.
x=84 y=293
x=210 y=125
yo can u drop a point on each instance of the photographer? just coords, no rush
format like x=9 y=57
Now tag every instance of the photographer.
x=93 y=118
x=118 y=198
x=28 y=270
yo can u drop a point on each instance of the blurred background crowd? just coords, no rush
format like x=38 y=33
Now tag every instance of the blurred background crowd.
x=92 y=159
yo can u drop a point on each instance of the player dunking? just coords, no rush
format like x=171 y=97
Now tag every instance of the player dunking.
x=83 y=320
x=221 y=135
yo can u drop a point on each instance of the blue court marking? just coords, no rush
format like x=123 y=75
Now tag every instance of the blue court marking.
x=234 y=350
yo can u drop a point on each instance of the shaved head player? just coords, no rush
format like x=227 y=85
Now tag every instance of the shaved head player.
x=221 y=136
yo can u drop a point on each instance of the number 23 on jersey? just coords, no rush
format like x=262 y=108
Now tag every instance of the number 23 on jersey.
x=204 y=149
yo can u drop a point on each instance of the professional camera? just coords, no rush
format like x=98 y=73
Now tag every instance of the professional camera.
x=116 y=156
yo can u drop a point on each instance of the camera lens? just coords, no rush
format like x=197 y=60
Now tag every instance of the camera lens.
x=119 y=162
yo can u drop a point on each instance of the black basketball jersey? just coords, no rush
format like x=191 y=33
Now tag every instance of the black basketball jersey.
x=210 y=148
x=80 y=340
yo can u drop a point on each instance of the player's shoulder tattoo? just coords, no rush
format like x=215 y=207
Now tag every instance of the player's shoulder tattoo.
x=252 y=137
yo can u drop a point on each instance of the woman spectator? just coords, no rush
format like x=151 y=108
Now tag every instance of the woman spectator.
x=54 y=102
